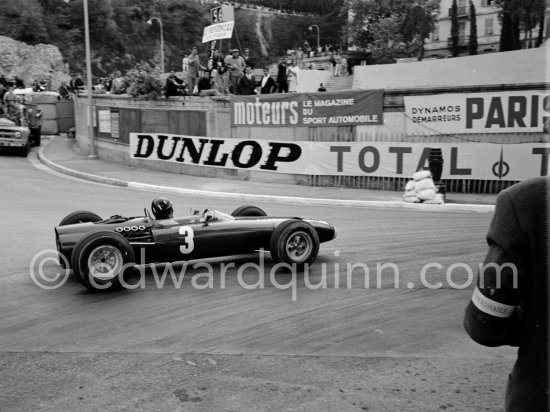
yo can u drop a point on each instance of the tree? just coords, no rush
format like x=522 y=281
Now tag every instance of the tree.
x=391 y=28
x=472 y=41
x=454 y=29
x=518 y=14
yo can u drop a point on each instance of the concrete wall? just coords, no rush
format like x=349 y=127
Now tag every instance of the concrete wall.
x=528 y=66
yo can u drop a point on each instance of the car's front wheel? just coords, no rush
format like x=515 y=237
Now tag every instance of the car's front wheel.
x=294 y=242
x=101 y=259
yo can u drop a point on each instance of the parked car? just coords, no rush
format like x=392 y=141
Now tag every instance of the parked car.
x=100 y=251
x=15 y=137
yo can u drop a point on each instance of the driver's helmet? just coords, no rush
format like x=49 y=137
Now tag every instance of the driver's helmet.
x=162 y=208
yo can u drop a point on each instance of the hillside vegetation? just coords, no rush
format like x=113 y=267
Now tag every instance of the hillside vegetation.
x=121 y=38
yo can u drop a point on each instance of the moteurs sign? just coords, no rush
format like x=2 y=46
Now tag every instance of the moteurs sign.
x=344 y=108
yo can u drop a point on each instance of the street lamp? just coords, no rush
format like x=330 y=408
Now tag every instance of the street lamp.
x=93 y=153
x=317 y=27
x=150 y=21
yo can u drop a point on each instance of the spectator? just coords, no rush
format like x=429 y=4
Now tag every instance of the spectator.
x=174 y=85
x=293 y=76
x=338 y=69
x=35 y=125
x=247 y=83
x=63 y=91
x=219 y=73
x=10 y=98
x=193 y=68
x=267 y=84
x=510 y=302
x=247 y=59
x=236 y=65
x=333 y=64
x=322 y=88
x=76 y=84
x=344 y=67
x=206 y=85
x=119 y=83
x=282 y=81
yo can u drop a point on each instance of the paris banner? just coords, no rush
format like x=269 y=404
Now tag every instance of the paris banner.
x=345 y=108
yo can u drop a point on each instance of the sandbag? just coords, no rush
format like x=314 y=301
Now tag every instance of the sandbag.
x=422 y=174
x=424 y=184
x=425 y=194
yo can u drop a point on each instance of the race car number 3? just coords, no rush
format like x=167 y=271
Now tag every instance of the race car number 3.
x=188 y=244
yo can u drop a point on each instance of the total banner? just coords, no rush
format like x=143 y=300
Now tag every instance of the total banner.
x=482 y=161
x=344 y=108
x=499 y=112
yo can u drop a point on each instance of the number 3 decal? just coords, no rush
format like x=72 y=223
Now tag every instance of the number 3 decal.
x=188 y=244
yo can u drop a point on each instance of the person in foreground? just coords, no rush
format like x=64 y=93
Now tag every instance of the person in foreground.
x=510 y=303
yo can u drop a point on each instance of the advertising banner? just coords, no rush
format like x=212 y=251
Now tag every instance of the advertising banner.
x=344 y=108
x=218 y=31
x=499 y=112
x=482 y=161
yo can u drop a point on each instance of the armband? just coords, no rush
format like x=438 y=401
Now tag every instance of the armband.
x=491 y=307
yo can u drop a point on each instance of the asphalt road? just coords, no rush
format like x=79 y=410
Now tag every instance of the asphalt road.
x=322 y=342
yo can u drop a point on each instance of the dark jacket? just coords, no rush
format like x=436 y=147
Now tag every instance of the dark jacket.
x=518 y=237
x=269 y=87
x=246 y=85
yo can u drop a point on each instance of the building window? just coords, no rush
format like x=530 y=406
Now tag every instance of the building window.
x=489 y=27
x=487 y=3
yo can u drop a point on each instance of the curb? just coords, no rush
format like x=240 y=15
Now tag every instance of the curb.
x=447 y=207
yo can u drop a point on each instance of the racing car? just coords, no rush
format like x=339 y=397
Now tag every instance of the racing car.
x=101 y=251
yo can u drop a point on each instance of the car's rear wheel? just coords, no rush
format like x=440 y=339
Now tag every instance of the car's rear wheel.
x=101 y=259
x=251 y=211
x=294 y=242
x=80 y=216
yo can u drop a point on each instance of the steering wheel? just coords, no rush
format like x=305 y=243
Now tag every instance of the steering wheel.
x=147 y=213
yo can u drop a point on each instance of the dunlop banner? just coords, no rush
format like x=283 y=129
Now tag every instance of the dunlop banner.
x=483 y=161
x=343 y=108
x=499 y=112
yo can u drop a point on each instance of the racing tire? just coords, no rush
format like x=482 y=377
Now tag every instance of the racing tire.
x=245 y=211
x=101 y=259
x=294 y=242
x=80 y=216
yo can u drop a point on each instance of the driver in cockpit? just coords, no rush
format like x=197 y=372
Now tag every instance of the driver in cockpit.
x=162 y=208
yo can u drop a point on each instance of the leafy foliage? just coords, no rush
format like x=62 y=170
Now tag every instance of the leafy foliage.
x=454 y=29
x=145 y=82
x=121 y=38
x=472 y=40
x=392 y=28
x=516 y=15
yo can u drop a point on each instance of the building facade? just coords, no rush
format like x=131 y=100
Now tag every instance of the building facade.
x=488 y=29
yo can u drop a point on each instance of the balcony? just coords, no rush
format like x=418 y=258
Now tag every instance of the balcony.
x=462 y=41
x=461 y=11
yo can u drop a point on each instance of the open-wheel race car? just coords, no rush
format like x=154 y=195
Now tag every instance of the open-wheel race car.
x=101 y=251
